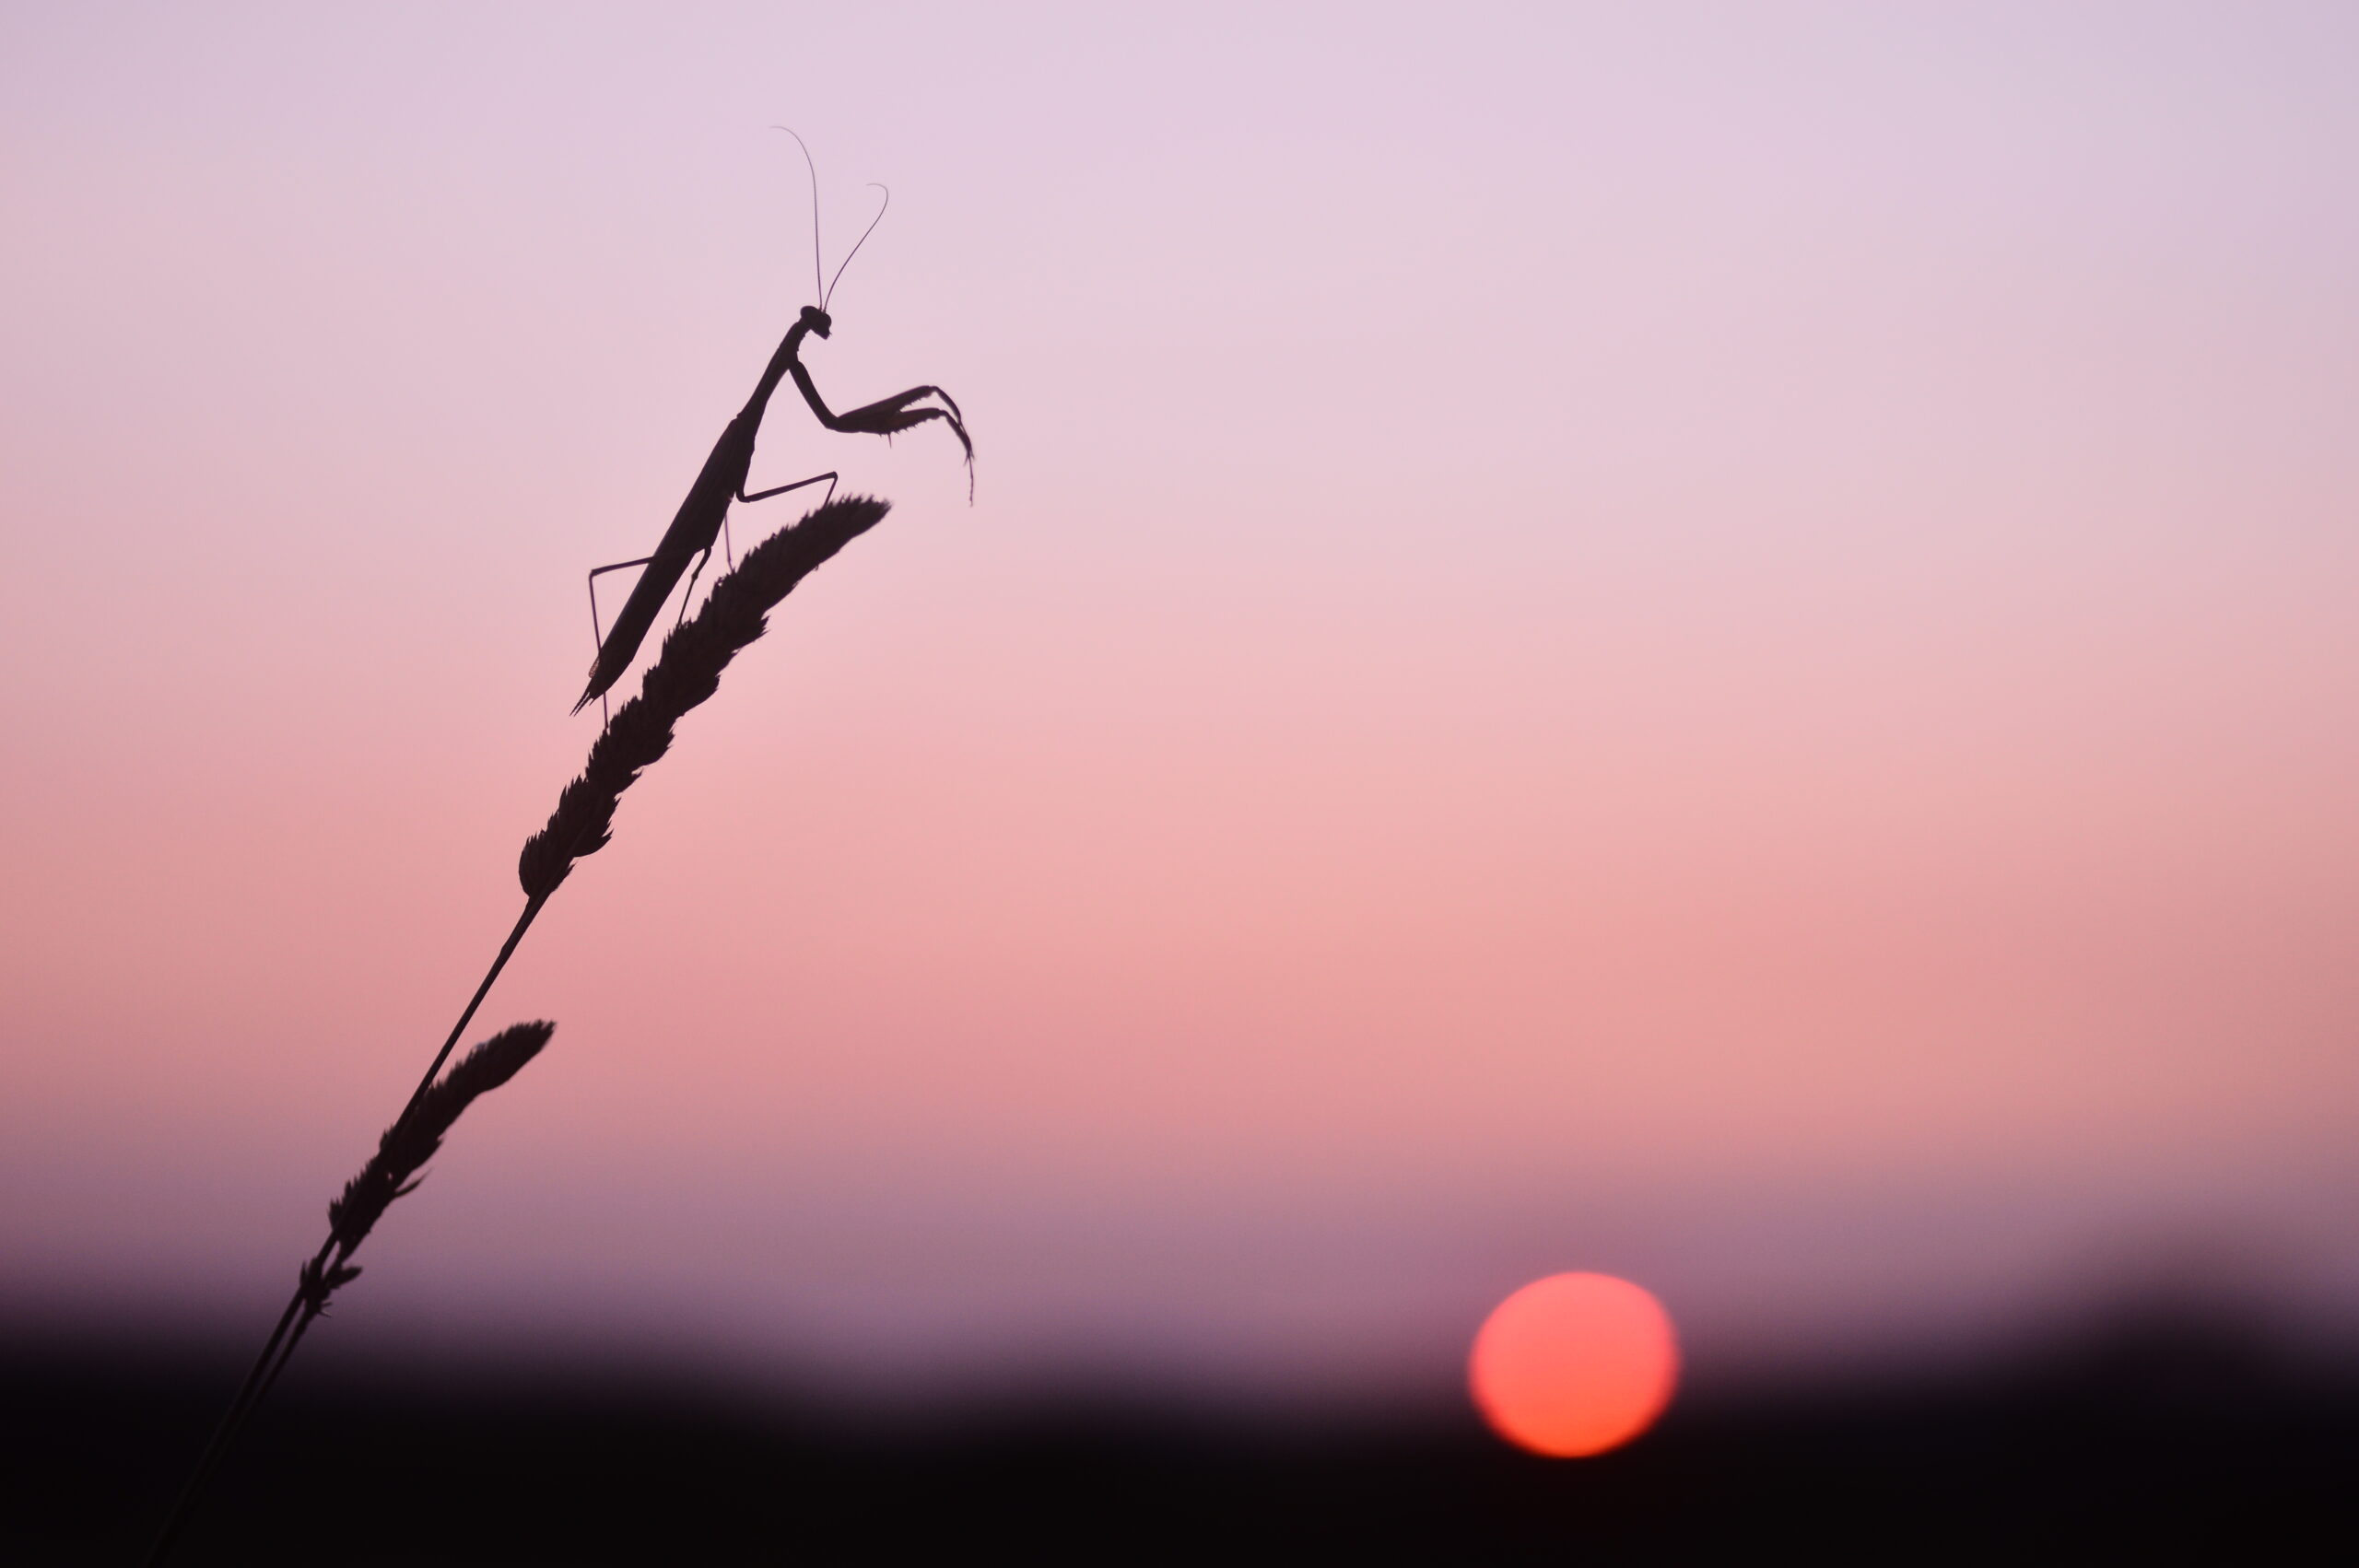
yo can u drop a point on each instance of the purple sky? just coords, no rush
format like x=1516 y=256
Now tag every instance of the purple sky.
x=1713 y=643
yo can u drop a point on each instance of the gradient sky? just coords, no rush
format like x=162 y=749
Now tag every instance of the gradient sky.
x=1708 y=642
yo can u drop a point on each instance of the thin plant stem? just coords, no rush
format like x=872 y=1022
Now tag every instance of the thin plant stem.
x=507 y=950
x=224 y=1433
x=636 y=735
x=305 y=1304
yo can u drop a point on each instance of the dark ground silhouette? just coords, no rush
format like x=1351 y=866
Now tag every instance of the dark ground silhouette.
x=2182 y=1436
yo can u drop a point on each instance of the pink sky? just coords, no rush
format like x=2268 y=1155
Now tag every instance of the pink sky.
x=1713 y=643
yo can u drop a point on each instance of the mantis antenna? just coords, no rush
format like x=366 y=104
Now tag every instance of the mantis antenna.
x=816 y=287
x=865 y=233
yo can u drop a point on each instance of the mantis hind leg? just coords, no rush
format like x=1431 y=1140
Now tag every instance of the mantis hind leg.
x=597 y=631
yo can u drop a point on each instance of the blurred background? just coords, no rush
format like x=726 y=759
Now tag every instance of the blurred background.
x=1709 y=642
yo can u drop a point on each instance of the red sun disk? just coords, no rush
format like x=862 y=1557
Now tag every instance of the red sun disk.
x=1574 y=1364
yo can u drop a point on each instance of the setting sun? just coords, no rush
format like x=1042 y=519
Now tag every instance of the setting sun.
x=1574 y=1364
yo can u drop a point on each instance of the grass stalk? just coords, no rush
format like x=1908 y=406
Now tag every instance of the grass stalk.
x=684 y=676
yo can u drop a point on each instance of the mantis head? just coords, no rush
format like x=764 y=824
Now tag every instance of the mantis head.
x=816 y=320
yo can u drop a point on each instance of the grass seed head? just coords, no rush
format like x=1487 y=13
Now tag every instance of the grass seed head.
x=407 y=1145
x=684 y=675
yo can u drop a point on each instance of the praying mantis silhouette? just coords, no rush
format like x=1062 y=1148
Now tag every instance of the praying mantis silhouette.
x=704 y=515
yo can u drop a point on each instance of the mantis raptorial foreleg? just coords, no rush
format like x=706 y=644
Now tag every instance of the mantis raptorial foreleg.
x=890 y=416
